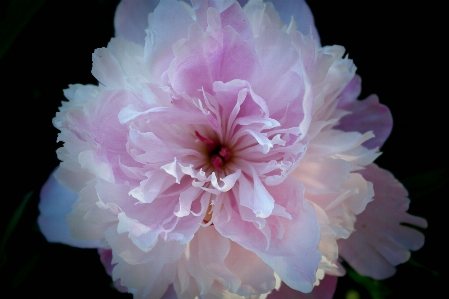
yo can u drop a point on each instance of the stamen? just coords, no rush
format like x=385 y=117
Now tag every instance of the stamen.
x=218 y=154
x=225 y=153
x=210 y=144
x=217 y=161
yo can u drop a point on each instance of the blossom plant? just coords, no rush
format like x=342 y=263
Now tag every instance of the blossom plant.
x=224 y=154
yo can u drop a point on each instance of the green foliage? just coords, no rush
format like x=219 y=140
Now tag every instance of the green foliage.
x=18 y=14
x=24 y=271
x=12 y=224
x=376 y=288
x=422 y=184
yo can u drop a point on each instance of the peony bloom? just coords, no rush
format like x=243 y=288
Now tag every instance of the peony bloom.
x=224 y=154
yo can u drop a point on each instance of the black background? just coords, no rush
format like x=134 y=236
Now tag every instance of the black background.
x=399 y=49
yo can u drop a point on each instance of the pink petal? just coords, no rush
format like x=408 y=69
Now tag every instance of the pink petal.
x=204 y=58
x=56 y=202
x=169 y=23
x=292 y=250
x=235 y=17
x=143 y=273
x=367 y=115
x=325 y=290
x=86 y=220
x=322 y=174
x=131 y=19
x=213 y=258
x=380 y=242
x=145 y=223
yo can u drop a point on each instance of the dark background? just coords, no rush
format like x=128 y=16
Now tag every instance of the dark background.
x=398 y=47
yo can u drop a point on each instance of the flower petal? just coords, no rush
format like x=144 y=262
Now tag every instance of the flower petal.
x=55 y=203
x=212 y=258
x=106 y=260
x=297 y=9
x=325 y=290
x=367 y=115
x=169 y=23
x=293 y=254
x=380 y=242
x=131 y=19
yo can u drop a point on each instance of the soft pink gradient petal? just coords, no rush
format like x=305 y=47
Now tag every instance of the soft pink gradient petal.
x=131 y=19
x=366 y=115
x=56 y=202
x=325 y=290
x=290 y=247
x=212 y=257
x=204 y=58
x=380 y=241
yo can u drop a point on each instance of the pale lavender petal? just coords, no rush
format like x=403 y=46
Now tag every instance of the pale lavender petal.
x=55 y=204
x=300 y=11
x=131 y=19
x=170 y=293
x=325 y=290
x=380 y=241
x=366 y=115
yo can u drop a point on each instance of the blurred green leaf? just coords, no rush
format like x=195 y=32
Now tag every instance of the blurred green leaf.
x=352 y=294
x=376 y=289
x=12 y=224
x=424 y=183
x=17 y=16
x=25 y=271
x=414 y=263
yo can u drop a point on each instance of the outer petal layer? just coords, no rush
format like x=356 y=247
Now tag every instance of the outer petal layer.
x=366 y=115
x=131 y=19
x=56 y=202
x=325 y=290
x=298 y=9
x=380 y=241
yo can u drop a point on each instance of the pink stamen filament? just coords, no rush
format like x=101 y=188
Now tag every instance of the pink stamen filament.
x=218 y=154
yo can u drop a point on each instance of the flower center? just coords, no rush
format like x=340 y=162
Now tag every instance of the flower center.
x=218 y=154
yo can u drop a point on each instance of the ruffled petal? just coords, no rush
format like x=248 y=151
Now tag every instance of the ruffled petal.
x=380 y=241
x=144 y=273
x=290 y=247
x=219 y=265
x=54 y=206
x=366 y=115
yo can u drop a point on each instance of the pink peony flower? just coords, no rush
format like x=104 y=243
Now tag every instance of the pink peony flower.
x=224 y=154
